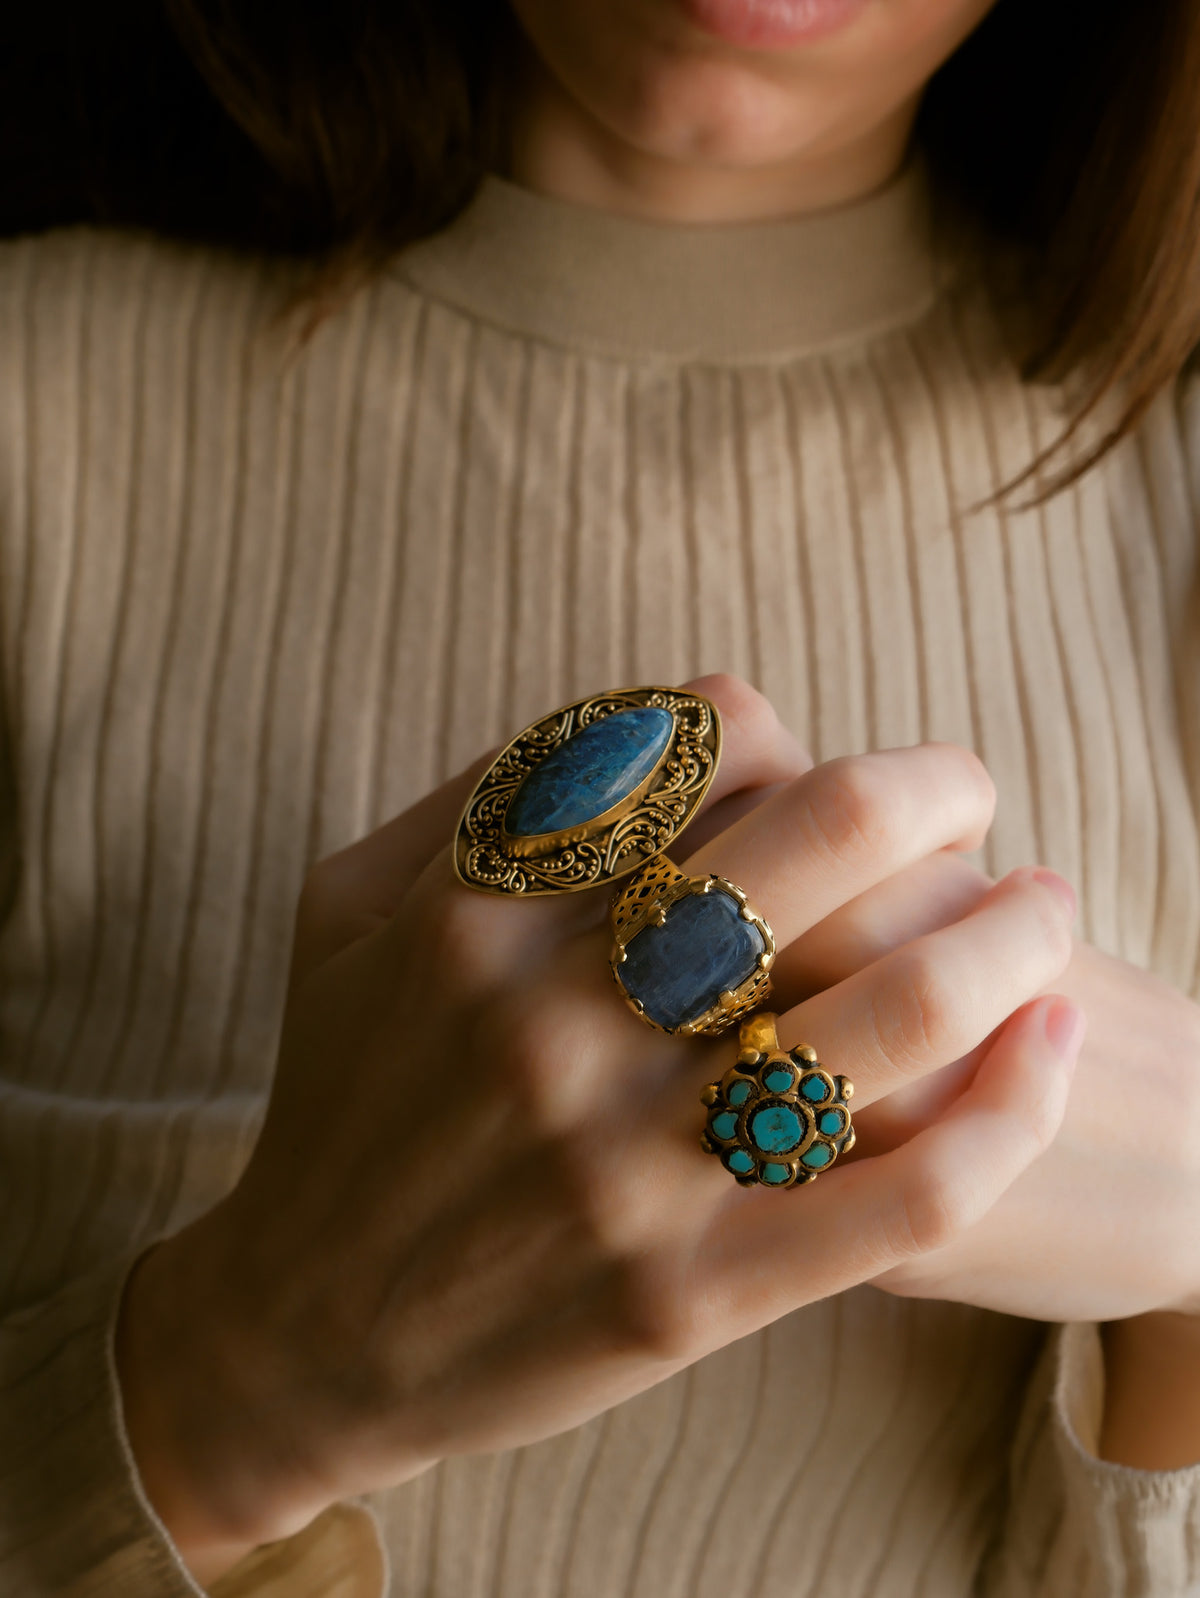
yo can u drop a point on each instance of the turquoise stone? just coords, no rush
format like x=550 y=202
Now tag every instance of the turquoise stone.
x=814 y=1089
x=725 y=1124
x=739 y=1162
x=776 y=1129
x=739 y=1093
x=817 y=1156
x=703 y=949
x=590 y=773
x=830 y=1123
x=779 y=1080
x=776 y=1173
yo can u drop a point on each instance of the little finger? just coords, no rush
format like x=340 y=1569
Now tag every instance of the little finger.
x=881 y=1214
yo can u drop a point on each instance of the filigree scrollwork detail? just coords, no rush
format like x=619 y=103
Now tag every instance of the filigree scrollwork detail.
x=483 y=860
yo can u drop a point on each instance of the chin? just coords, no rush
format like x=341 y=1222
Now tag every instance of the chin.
x=716 y=113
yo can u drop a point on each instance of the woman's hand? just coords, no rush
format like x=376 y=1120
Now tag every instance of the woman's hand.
x=477 y=1213
x=1104 y=1226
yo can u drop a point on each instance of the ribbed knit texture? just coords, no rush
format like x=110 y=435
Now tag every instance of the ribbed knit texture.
x=252 y=604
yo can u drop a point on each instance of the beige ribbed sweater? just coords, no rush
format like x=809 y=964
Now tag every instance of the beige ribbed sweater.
x=250 y=606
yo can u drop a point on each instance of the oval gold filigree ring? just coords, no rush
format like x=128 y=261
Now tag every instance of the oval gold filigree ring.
x=590 y=793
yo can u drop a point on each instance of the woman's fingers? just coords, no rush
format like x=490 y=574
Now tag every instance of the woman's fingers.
x=938 y=997
x=929 y=894
x=848 y=825
x=862 y=1220
x=758 y=756
x=892 y=1028
x=357 y=890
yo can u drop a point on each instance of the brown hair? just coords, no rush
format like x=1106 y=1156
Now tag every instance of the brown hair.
x=342 y=129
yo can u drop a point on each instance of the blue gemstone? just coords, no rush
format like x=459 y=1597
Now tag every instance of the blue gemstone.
x=779 y=1080
x=816 y=1156
x=589 y=773
x=815 y=1089
x=703 y=949
x=776 y=1173
x=739 y=1093
x=776 y=1129
x=739 y=1162
x=725 y=1124
x=830 y=1123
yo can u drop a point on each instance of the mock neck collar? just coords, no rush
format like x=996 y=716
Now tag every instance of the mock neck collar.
x=613 y=285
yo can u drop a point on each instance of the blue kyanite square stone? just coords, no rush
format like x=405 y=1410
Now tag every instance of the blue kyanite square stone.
x=594 y=770
x=681 y=969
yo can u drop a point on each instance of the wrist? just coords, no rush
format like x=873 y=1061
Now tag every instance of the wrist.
x=211 y=1468
x=1152 y=1391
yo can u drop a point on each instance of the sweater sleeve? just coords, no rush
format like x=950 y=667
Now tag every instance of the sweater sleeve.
x=73 y=1518
x=102 y=1150
x=1078 y=1524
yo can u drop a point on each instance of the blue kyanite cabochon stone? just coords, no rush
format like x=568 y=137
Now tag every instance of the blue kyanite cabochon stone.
x=681 y=969
x=594 y=770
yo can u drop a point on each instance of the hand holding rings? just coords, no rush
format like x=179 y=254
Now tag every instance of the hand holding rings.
x=598 y=791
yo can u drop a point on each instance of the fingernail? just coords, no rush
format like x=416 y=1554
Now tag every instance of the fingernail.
x=1065 y=1024
x=1064 y=890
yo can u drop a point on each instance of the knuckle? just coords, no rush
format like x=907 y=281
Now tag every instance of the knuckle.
x=1057 y=940
x=654 y=1316
x=456 y=932
x=848 y=808
x=530 y=1052
x=930 y=1214
x=920 y=1014
x=972 y=771
x=740 y=703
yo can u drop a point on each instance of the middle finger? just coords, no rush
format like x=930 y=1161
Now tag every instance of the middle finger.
x=847 y=825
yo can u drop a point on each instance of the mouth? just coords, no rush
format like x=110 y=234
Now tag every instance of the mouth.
x=770 y=24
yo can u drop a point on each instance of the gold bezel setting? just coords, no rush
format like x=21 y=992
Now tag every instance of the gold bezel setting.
x=646 y=902
x=609 y=845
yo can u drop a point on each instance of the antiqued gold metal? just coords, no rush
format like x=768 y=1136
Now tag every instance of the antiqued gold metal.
x=609 y=845
x=646 y=901
x=807 y=1112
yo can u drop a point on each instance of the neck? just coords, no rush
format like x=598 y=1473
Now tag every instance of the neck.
x=560 y=150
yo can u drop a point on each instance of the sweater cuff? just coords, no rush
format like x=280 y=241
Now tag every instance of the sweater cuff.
x=73 y=1517
x=1141 y=1527
x=338 y=1555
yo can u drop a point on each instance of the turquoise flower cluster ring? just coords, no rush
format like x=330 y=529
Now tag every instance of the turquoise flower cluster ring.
x=777 y=1117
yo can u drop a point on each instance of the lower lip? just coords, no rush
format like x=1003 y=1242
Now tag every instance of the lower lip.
x=771 y=24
